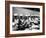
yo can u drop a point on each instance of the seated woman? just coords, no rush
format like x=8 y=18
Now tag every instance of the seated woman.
x=16 y=24
x=21 y=24
x=36 y=21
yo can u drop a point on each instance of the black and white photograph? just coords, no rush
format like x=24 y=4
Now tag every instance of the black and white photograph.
x=26 y=18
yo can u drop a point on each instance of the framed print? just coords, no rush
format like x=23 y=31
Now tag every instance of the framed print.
x=24 y=19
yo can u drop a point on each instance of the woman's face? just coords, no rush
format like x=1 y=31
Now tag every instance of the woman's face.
x=36 y=18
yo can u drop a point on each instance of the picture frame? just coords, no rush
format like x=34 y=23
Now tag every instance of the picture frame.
x=18 y=7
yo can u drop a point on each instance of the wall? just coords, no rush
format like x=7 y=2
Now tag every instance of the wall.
x=2 y=19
